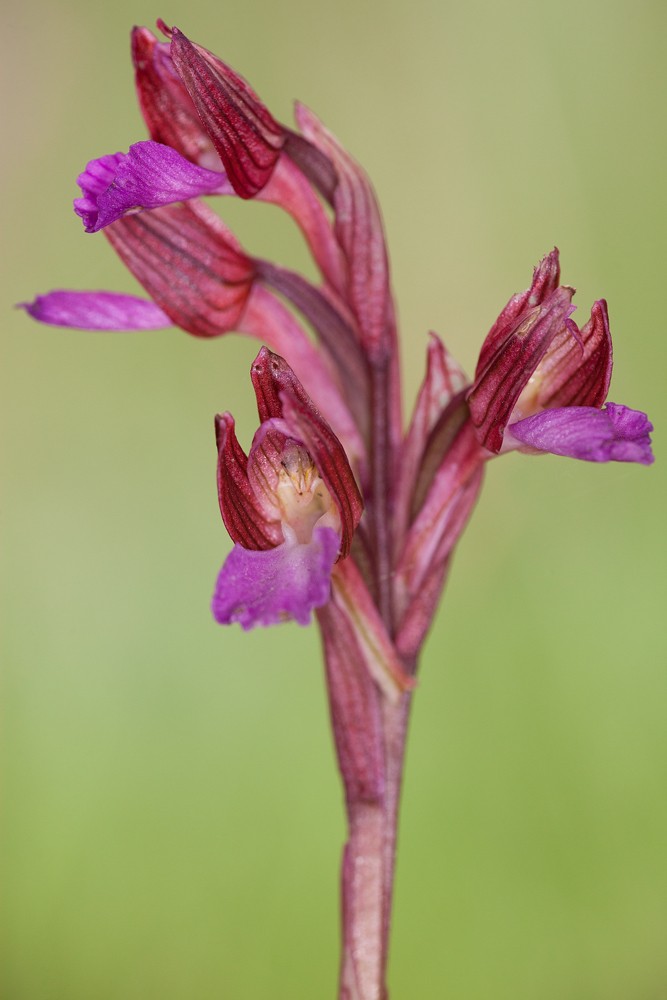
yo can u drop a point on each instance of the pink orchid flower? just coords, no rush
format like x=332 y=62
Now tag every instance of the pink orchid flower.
x=336 y=509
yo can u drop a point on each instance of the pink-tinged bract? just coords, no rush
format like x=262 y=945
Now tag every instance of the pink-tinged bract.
x=280 y=394
x=499 y=385
x=359 y=231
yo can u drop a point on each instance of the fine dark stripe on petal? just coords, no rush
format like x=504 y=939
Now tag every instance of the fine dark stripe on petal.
x=243 y=131
x=189 y=263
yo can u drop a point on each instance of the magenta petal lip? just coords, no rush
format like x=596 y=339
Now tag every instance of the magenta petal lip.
x=614 y=434
x=149 y=175
x=274 y=585
x=96 y=311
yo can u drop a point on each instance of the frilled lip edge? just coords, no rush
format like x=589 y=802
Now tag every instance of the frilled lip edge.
x=150 y=175
x=266 y=587
x=616 y=433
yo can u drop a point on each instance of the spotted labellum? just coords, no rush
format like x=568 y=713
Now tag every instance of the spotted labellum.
x=336 y=510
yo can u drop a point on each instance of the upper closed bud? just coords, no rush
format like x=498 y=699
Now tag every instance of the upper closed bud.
x=246 y=136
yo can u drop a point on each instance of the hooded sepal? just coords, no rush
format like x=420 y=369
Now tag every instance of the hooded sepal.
x=546 y=278
x=613 y=434
x=243 y=131
x=245 y=519
x=170 y=115
x=514 y=348
x=283 y=505
x=269 y=320
x=576 y=370
x=172 y=119
x=189 y=263
x=280 y=395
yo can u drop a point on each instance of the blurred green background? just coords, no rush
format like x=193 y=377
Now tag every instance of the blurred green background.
x=172 y=815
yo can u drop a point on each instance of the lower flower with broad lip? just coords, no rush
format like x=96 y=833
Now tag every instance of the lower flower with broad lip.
x=291 y=505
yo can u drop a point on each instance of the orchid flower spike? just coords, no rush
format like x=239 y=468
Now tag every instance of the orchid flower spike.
x=541 y=382
x=336 y=509
x=291 y=505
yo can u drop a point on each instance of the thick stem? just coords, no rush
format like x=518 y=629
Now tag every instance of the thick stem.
x=368 y=870
x=363 y=889
x=395 y=722
x=369 y=732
